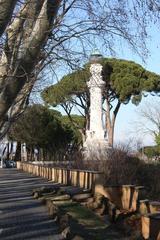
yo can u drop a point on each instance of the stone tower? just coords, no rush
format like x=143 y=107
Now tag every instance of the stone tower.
x=96 y=143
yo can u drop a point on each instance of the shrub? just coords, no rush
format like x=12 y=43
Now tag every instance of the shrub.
x=120 y=167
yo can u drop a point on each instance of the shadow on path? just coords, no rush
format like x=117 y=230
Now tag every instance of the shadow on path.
x=22 y=217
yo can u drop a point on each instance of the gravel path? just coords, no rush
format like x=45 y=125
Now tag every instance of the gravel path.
x=21 y=217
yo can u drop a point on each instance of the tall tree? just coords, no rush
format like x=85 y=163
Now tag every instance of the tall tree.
x=125 y=81
x=44 y=129
x=25 y=38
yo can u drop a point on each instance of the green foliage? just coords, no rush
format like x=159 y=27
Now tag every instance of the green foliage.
x=78 y=120
x=41 y=127
x=77 y=124
x=157 y=139
x=125 y=80
x=152 y=151
x=71 y=84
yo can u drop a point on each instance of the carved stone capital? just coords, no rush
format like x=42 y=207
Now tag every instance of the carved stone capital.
x=96 y=69
x=96 y=76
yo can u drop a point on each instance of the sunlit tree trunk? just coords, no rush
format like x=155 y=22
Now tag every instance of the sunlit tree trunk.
x=6 y=10
x=26 y=37
x=110 y=121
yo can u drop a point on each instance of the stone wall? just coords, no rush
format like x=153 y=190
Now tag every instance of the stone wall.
x=75 y=177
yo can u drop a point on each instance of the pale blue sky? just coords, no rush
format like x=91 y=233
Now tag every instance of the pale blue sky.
x=127 y=115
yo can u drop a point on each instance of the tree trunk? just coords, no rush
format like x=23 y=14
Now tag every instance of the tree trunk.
x=6 y=10
x=31 y=155
x=28 y=150
x=110 y=124
x=18 y=62
x=110 y=135
x=18 y=152
x=11 y=151
x=8 y=151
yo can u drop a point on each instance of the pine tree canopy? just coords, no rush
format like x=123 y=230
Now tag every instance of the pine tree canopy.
x=125 y=81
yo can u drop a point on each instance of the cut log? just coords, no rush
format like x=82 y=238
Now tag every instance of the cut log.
x=151 y=226
x=82 y=196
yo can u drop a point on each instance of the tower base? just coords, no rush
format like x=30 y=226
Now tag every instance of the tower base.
x=95 y=149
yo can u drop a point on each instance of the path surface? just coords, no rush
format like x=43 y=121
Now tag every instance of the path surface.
x=21 y=217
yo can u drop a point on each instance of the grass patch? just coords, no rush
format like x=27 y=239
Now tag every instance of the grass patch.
x=84 y=216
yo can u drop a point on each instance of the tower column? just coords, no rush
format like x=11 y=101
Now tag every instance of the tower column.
x=96 y=143
x=96 y=86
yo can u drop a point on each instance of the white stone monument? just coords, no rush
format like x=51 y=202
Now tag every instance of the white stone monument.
x=96 y=144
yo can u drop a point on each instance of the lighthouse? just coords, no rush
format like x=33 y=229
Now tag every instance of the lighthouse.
x=96 y=143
